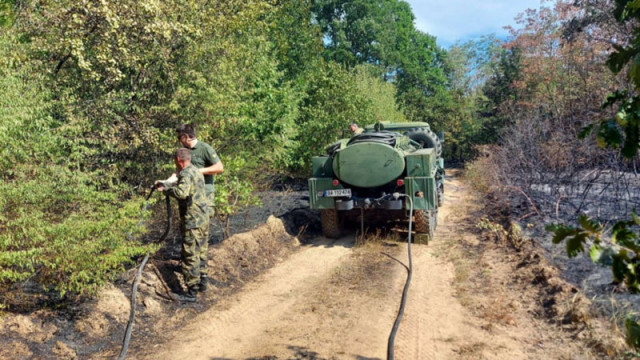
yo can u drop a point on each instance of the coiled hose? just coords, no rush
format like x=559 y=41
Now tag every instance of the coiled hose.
x=134 y=290
x=396 y=325
x=383 y=137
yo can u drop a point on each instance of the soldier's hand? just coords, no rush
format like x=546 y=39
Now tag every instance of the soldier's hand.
x=159 y=185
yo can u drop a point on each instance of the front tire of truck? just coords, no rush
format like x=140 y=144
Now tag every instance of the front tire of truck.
x=425 y=222
x=331 y=223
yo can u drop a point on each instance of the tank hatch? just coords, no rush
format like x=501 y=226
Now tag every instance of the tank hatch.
x=368 y=164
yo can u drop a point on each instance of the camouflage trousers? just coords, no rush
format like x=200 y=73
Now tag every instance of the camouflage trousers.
x=195 y=249
x=211 y=204
x=195 y=246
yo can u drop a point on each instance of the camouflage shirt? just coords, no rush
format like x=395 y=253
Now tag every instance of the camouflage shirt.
x=191 y=198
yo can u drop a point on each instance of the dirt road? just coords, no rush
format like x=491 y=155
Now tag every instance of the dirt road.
x=474 y=294
x=333 y=300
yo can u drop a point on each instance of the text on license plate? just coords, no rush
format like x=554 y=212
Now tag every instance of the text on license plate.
x=337 y=192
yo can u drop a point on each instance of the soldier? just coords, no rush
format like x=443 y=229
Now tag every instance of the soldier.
x=194 y=213
x=355 y=129
x=208 y=163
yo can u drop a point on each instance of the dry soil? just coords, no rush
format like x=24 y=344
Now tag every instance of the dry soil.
x=334 y=300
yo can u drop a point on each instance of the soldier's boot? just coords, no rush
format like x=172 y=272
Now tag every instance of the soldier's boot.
x=188 y=296
x=204 y=283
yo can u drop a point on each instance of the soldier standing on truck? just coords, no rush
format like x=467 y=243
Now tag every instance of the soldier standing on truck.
x=355 y=130
x=194 y=213
x=206 y=160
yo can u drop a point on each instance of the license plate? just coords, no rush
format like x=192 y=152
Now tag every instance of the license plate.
x=337 y=193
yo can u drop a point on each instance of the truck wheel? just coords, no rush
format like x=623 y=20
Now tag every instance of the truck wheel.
x=426 y=138
x=425 y=224
x=331 y=225
x=440 y=195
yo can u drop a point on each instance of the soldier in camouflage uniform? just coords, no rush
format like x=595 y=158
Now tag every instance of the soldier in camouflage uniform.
x=205 y=158
x=194 y=213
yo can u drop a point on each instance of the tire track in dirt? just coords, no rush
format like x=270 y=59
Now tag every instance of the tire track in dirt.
x=436 y=325
x=307 y=308
x=431 y=307
x=229 y=333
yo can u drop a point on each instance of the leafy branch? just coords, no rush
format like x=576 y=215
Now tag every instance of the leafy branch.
x=622 y=253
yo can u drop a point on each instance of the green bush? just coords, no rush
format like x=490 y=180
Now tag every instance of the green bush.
x=332 y=101
x=59 y=230
x=67 y=230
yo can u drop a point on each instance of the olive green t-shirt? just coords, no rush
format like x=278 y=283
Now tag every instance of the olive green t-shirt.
x=203 y=155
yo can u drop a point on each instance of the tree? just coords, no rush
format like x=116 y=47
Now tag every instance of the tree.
x=380 y=95
x=60 y=228
x=498 y=90
x=298 y=40
x=423 y=89
x=365 y=31
x=381 y=33
x=332 y=101
x=622 y=132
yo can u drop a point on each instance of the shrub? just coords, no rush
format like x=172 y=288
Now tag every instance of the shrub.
x=62 y=228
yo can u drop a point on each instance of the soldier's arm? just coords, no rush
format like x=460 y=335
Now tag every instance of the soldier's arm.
x=214 y=169
x=181 y=190
x=215 y=166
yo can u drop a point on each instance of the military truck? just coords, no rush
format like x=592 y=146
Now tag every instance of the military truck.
x=373 y=173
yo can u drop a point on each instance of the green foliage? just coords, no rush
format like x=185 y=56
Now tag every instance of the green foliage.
x=505 y=71
x=422 y=82
x=365 y=31
x=66 y=235
x=59 y=228
x=622 y=253
x=623 y=130
x=332 y=101
x=577 y=237
x=7 y=12
x=470 y=119
x=234 y=192
x=380 y=95
x=632 y=330
x=297 y=39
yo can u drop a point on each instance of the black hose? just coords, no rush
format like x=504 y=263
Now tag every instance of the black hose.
x=396 y=325
x=132 y=313
x=136 y=281
x=383 y=137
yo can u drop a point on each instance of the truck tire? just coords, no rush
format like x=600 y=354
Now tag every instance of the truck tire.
x=440 y=194
x=331 y=223
x=427 y=138
x=425 y=225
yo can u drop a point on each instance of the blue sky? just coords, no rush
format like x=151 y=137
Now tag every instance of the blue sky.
x=453 y=20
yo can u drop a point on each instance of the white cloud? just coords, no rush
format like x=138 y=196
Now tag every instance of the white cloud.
x=453 y=20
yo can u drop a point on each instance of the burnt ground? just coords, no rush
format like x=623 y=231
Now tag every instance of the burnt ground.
x=94 y=328
x=607 y=298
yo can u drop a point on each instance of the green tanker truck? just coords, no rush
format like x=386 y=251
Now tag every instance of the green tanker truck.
x=374 y=173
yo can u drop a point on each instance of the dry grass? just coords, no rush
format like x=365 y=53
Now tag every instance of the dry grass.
x=482 y=172
x=504 y=278
x=471 y=351
x=370 y=264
